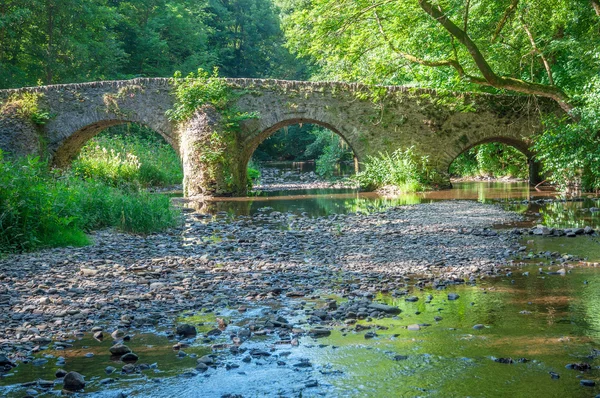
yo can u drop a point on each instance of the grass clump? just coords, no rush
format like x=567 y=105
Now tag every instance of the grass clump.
x=403 y=170
x=127 y=155
x=43 y=208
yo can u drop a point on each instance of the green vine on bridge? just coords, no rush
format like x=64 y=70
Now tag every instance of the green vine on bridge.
x=28 y=106
x=200 y=89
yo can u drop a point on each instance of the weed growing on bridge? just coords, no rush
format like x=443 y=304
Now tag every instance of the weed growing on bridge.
x=404 y=170
x=39 y=207
x=27 y=105
x=201 y=89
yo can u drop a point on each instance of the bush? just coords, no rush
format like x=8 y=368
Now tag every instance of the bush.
x=39 y=207
x=405 y=170
x=253 y=173
x=129 y=155
x=493 y=159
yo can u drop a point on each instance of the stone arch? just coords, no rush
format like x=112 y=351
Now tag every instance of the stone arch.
x=250 y=146
x=521 y=145
x=68 y=148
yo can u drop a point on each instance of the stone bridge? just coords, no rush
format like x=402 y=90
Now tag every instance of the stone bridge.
x=440 y=126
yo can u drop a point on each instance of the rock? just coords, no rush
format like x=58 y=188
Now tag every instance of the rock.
x=412 y=299
x=579 y=366
x=99 y=336
x=388 y=309
x=60 y=373
x=554 y=375
x=4 y=361
x=370 y=335
x=400 y=357
x=453 y=296
x=319 y=332
x=130 y=357
x=478 y=326
x=73 y=381
x=414 y=327
x=119 y=350
x=128 y=369
x=206 y=359
x=117 y=334
x=110 y=369
x=202 y=367
x=587 y=383
x=186 y=330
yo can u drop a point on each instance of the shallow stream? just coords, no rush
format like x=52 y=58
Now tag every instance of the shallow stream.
x=507 y=336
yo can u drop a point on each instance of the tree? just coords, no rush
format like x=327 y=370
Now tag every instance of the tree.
x=456 y=44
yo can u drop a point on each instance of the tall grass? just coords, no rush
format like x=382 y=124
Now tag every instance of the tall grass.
x=405 y=170
x=129 y=155
x=39 y=207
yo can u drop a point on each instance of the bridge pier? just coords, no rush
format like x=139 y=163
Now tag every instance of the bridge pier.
x=210 y=157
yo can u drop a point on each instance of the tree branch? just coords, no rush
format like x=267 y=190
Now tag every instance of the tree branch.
x=537 y=51
x=596 y=5
x=466 y=17
x=491 y=79
x=507 y=14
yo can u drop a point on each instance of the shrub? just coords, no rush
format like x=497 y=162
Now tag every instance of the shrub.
x=491 y=159
x=129 y=155
x=39 y=207
x=405 y=170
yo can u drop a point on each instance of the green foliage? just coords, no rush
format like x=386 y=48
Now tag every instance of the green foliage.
x=570 y=150
x=344 y=38
x=27 y=105
x=253 y=173
x=202 y=89
x=81 y=40
x=329 y=150
x=570 y=155
x=307 y=142
x=41 y=208
x=126 y=155
x=405 y=170
x=492 y=160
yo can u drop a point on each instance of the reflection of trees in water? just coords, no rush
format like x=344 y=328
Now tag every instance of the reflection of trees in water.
x=570 y=214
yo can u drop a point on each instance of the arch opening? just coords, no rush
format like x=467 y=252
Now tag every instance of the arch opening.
x=300 y=154
x=124 y=153
x=493 y=159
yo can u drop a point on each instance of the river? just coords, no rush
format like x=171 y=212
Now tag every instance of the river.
x=511 y=335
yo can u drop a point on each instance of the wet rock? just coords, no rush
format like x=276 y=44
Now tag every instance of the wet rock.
x=400 y=357
x=453 y=296
x=130 y=357
x=128 y=369
x=4 y=361
x=201 y=367
x=319 y=332
x=554 y=375
x=119 y=350
x=186 y=330
x=504 y=360
x=479 y=326
x=109 y=369
x=412 y=299
x=73 y=381
x=579 y=366
x=60 y=373
x=388 y=309
x=587 y=383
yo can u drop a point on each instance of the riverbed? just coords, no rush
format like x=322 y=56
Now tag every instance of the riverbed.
x=320 y=293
